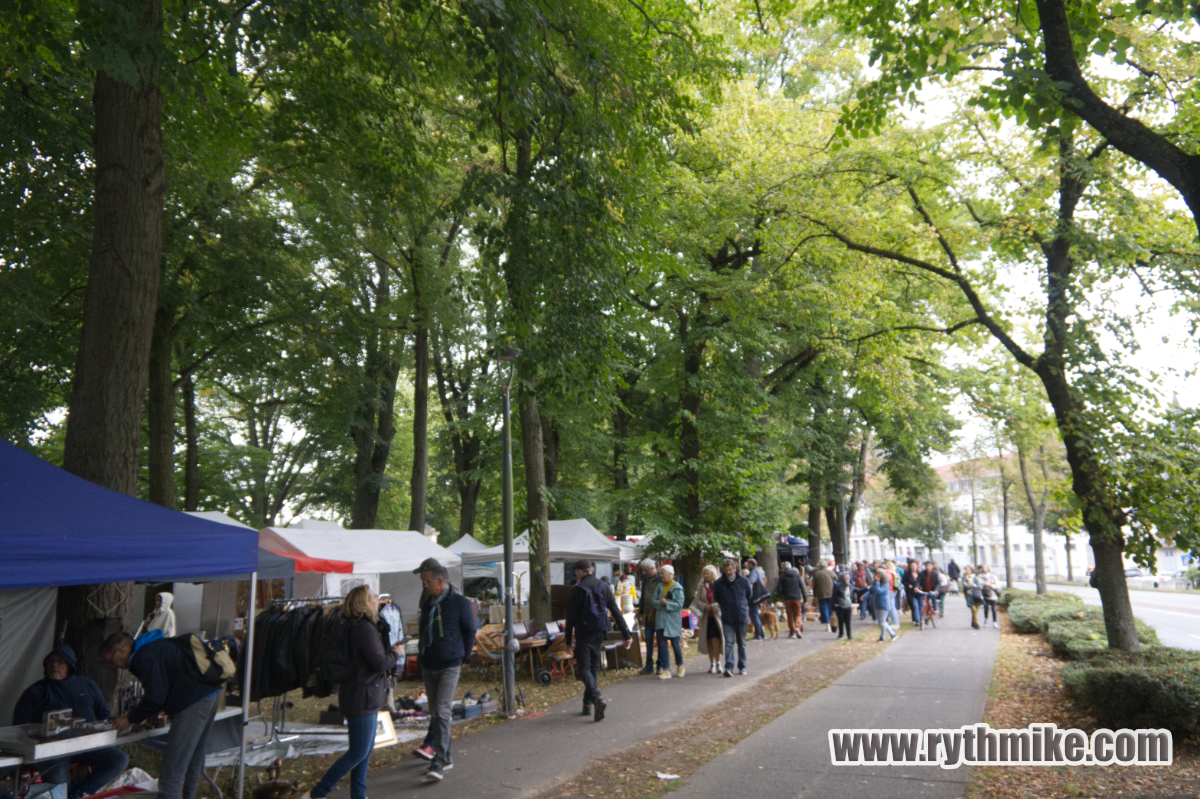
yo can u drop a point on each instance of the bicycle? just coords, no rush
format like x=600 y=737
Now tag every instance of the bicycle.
x=930 y=609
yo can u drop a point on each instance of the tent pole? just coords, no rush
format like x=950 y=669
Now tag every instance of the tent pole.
x=250 y=614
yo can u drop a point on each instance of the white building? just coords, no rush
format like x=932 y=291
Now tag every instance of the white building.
x=979 y=495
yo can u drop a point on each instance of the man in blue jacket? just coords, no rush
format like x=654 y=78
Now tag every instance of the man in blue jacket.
x=732 y=593
x=447 y=636
x=63 y=689
x=169 y=685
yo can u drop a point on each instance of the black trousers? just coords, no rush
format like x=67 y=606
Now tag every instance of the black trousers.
x=843 y=616
x=587 y=657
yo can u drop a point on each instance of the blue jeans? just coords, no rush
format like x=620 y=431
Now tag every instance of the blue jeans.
x=104 y=765
x=355 y=762
x=734 y=633
x=915 y=604
x=884 y=628
x=826 y=606
x=649 y=633
x=758 y=630
x=663 y=660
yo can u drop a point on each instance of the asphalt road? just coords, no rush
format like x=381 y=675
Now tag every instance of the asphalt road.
x=1176 y=617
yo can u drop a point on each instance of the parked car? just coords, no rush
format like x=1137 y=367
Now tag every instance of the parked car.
x=1133 y=573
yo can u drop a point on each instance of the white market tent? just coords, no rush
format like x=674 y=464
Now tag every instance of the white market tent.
x=383 y=559
x=570 y=539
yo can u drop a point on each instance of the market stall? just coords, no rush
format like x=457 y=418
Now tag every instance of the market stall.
x=61 y=530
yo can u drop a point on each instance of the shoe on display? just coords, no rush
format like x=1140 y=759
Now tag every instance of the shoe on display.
x=425 y=752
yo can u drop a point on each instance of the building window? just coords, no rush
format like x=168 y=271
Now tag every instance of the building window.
x=1029 y=547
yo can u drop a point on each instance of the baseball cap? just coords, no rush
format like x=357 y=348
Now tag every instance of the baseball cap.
x=427 y=565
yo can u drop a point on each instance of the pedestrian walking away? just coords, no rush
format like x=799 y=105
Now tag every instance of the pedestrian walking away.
x=882 y=603
x=973 y=594
x=791 y=588
x=646 y=611
x=591 y=603
x=823 y=592
x=758 y=586
x=169 y=685
x=711 y=638
x=843 y=603
x=732 y=592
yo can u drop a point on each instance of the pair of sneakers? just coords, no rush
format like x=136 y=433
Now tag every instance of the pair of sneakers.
x=666 y=674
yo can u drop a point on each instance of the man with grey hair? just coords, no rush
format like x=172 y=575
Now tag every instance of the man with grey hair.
x=732 y=592
x=647 y=585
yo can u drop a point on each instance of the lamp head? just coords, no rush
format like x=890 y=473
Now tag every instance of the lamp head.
x=507 y=354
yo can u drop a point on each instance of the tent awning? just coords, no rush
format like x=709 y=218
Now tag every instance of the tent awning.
x=58 y=529
x=367 y=551
x=303 y=563
x=570 y=539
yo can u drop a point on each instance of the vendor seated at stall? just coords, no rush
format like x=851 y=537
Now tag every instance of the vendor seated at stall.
x=63 y=689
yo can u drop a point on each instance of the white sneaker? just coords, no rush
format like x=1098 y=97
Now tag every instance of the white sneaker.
x=996 y=624
x=720 y=669
x=679 y=672
x=666 y=675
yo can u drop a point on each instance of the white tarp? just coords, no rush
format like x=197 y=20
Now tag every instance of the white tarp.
x=26 y=637
x=371 y=551
x=570 y=539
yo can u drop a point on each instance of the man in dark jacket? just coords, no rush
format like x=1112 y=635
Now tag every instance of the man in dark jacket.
x=585 y=631
x=732 y=593
x=447 y=636
x=169 y=686
x=952 y=571
x=823 y=592
x=791 y=588
x=647 y=585
x=63 y=689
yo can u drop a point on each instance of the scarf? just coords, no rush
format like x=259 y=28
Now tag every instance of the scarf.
x=434 y=610
x=667 y=588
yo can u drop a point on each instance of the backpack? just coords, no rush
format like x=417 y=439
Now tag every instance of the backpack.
x=211 y=662
x=860 y=578
x=334 y=664
x=593 y=616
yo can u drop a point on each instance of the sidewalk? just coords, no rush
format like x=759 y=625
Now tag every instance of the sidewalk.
x=520 y=758
x=925 y=680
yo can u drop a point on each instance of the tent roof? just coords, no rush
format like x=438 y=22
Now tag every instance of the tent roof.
x=59 y=529
x=270 y=565
x=369 y=551
x=468 y=543
x=570 y=539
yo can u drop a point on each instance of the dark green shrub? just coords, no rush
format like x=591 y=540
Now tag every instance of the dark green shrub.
x=1032 y=613
x=1083 y=638
x=1009 y=594
x=1158 y=687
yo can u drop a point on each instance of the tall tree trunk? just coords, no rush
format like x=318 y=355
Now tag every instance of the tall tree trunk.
x=468 y=503
x=160 y=410
x=104 y=421
x=550 y=442
x=535 y=502
x=1038 y=506
x=620 y=471
x=837 y=530
x=689 y=441
x=1008 y=577
x=420 y=465
x=191 y=458
x=858 y=488
x=815 y=501
x=1070 y=572
x=373 y=443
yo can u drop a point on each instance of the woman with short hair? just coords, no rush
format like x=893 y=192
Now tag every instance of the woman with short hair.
x=362 y=696
x=668 y=622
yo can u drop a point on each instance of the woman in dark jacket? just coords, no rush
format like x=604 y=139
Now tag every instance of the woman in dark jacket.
x=361 y=698
x=912 y=590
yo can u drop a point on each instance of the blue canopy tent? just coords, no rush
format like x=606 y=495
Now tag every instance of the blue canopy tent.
x=57 y=529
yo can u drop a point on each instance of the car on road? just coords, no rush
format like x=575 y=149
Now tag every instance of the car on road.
x=1133 y=573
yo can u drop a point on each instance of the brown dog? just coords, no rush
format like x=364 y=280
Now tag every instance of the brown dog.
x=770 y=622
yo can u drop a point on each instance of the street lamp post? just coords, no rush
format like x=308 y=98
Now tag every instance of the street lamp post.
x=510 y=643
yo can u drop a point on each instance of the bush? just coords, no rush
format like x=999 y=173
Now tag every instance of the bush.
x=1008 y=595
x=1031 y=613
x=1085 y=637
x=1157 y=688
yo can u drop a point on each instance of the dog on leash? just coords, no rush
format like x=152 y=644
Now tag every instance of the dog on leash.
x=769 y=616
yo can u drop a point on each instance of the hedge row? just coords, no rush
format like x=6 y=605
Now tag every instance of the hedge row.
x=1157 y=687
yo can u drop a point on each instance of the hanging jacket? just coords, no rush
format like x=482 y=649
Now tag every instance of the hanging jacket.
x=79 y=694
x=163 y=618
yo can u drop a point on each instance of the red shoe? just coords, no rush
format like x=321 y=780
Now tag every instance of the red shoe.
x=424 y=752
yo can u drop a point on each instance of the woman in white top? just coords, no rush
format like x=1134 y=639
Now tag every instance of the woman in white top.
x=162 y=617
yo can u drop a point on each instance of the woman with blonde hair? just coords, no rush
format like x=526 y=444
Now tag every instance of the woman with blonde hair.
x=711 y=638
x=362 y=695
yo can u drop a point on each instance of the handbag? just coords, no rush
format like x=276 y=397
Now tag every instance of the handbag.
x=759 y=593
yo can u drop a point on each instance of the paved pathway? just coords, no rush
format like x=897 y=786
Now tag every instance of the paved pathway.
x=521 y=758
x=927 y=679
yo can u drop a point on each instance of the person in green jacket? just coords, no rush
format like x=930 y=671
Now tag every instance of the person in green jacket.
x=668 y=621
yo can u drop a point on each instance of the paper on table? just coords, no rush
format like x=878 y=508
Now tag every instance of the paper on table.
x=662 y=776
